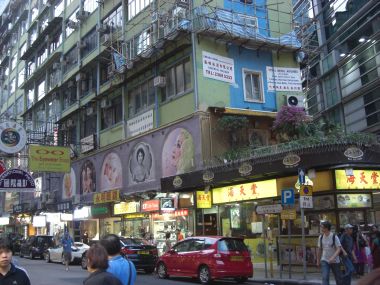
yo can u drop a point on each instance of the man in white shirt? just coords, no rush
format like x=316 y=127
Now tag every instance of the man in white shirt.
x=328 y=254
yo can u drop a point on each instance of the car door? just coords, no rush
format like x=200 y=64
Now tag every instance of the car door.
x=173 y=258
x=193 y=257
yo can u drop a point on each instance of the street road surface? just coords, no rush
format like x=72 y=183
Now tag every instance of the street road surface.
x=42 y=273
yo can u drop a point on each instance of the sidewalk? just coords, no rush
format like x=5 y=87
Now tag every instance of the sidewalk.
x=312 y=278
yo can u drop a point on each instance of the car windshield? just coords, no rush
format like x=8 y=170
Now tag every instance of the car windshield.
x=231 y=245
x=133 y=241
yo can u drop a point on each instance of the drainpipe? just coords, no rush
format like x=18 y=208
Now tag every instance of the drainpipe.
x=124 y=55
x=193 y=45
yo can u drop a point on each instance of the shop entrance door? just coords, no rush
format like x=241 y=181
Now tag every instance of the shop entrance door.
x=210 y=225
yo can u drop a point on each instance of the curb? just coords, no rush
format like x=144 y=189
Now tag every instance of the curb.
x=284 y=282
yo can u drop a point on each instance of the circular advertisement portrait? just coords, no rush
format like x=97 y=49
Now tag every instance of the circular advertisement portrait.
x=68 y=185
x=140 y=163
x=12 y=137
x=110 y=175
x=87 y=178
x=178 y=153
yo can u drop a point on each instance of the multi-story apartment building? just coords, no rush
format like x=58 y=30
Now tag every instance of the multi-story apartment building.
x=136 y=89
x=341 y=66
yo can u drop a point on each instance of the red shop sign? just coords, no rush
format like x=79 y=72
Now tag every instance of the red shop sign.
x=150 y=206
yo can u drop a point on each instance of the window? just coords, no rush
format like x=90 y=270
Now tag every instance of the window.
x=70 y=94
x=40 y=116
x=112 y=115
x=71 y=19
x=136 y=6
x=90 y=5
x=115 y=19
x=372 y=107
x=71 y=59
x=12 y=86
x=41 y=90
x=88 y=124
x=20 y=79
x=178 y=79
x=42 y=56
x=141 y=97
x=10 y=111
x=59 y=8
x=13 y=61
x=22 y=50
x=53 y=109
x=249 y=21
x=331 y=90
x=20 y=105
x=253 y=90
x=33 y=35
x=182 y=246
x=91 y=43
x=56 y=42
x=29 y=97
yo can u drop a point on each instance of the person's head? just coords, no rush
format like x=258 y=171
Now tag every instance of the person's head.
x=5 y=254
x=167 y=235
x=349 y=229
x=111 y=243
x=97 y=258
x=178 y=231
x=140 y=155
x=325 y=227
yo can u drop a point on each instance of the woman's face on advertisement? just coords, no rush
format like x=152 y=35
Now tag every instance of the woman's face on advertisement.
x=140 y=157
x=177 y=150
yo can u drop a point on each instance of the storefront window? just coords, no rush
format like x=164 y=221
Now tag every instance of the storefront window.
x=135 y=228
x=351 y=217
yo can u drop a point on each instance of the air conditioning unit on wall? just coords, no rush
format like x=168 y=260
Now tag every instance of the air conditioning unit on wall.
x=295 y=101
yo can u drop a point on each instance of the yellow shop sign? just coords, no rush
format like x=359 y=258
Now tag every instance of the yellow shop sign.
x=203 y=200
x=247 y=191
x=49 y=158
x=361 y=179
x=125 y=208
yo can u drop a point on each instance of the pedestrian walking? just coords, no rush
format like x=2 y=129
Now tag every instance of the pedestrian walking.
x=97 y=264
x=328 y=254
x=348 y=256
x=10 y=274
x=361 y=256
x=67 y=242
x=376 y=251
x=119 y=266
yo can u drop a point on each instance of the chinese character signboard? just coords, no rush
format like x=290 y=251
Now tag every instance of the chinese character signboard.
x=218 y=67
x=49 y=158
x=361 y=179
x=140 y=124
x=87 y=143
x=284 y=79
x=107 y=197
x=16 y=180
x=126 y=208
x=203 y=200
x=150 y=205
x=247 y=191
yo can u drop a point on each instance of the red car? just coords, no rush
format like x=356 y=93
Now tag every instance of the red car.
x=207 y=258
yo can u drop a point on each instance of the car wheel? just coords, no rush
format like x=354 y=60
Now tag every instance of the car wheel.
x=149 y=270
x=31 y=255
x=241 y=280
x=83 y=262
x=162 y=271
x=204 y=275
x=47 y=257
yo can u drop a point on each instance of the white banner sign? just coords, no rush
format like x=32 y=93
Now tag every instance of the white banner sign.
x=140 y=124
x=87 y=143
x=218 y=67
x=284 y=79
x=306 y=202
x=269 y=209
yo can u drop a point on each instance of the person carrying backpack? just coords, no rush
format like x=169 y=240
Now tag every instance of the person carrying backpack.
x=328 y=254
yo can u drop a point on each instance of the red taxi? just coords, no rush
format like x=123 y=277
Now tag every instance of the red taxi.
x=207 y=258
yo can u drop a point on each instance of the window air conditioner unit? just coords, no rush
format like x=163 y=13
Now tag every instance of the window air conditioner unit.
x=295 y=101
x=105 y=103
x=70 y=123
x=90 y=111
x=81 y=44
x=159 y=81
x=72 y=25
x=82 y=15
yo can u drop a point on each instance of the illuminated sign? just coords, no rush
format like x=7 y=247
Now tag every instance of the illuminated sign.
x=125 y=208
x=39 y=221
x=177 y=213
x=203 y=200
x=66 y=217
x=354 y=201
x=16 y=180
x=12 y=137
x=361 y=179
x=107 y=197
x=150 y=205
x=49 y=158
x=243 y=192
x=82 y=214
x=136 y=216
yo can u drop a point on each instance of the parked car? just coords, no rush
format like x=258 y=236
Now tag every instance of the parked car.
x=55 y=253
x=35 y=246
x=207 y=258
x=143 y=255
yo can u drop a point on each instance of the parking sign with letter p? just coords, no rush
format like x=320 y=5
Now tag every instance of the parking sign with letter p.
x=287 y=196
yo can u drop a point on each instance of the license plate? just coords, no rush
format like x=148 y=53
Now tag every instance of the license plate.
x=144 y=252
x=236 y=258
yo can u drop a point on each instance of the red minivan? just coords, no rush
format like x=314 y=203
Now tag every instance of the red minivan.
x=207 y=258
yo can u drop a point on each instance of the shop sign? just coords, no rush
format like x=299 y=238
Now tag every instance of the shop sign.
x=354 y=153
x=100 y=211
x=87 y=143
x=291 y=160
x=177 y=213
x=19 y=208
x=245 y=169
x=4 y=221
x=288 y=214
x=12 y=137
x=82 y=214
x=150 y=205
x=306 y=190
x=66 y=217
x=136 y=216
x=218 y=67
x=361 y=179
x=39 y=221
x=125 y=208
x=324 y=202
x=269 y=209
x=49 y=158
x=354 y=201
x=208 y=176
x=16 y=180
x=177 y=182
x=140 y=124
x=65 y=206
x=167 y=204
x=306 y=202
x=243 y=192
x=203 y=200
x=107 y=197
